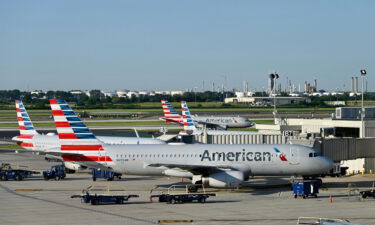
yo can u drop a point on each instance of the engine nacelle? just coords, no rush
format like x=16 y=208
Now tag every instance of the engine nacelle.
x=177 y=173
x=74 y=166
x=227 y=179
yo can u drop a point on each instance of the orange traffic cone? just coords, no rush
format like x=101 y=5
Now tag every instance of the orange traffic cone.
x=330 y=200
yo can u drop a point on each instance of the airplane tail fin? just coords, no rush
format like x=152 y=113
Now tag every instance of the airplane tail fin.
x=76 y=140
x=24 y=123
x=187 y=119
x=170 y=113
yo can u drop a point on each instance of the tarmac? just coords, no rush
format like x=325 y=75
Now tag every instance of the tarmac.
x=266 y=201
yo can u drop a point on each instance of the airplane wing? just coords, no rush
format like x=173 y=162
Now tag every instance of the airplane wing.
x=57 y=152
x=211 y=125
x=171 y=120
x=195 y=169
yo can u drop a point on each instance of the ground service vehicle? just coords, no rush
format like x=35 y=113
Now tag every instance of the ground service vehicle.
x=306 y=188
x=57 y=172
x=173 y=197
x=9 y=173
x=109 y=175
x=107 y=197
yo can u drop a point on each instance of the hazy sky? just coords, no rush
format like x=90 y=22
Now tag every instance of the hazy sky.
x=163 y=45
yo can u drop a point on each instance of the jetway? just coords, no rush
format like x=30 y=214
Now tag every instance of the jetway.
x=339 y=149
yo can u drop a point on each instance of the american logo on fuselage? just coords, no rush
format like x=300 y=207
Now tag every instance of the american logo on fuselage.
x=243 y=156
x=218 y=120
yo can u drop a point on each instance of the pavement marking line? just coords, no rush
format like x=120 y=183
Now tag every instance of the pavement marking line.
x=76 y=207
x=248 y=220
x=28 y=190
x=175 y=221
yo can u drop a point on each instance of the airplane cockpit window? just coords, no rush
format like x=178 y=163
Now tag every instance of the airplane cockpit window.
x=311 y=154
x=316 y=154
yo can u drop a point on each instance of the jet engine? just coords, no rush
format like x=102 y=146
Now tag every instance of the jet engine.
x=177 y=173
x=74 y=166
x=225 y=179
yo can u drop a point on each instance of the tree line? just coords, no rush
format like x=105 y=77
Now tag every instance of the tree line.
x=97 y=100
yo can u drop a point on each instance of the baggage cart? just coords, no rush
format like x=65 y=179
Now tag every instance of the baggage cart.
x=306 y=188
x=107 y=197
x=173 y=196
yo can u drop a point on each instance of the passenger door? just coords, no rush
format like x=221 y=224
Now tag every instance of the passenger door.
x=293 y=156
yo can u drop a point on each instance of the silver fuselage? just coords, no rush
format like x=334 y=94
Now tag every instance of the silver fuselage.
x=251 y=159
x=227 y=121
x=41 y=142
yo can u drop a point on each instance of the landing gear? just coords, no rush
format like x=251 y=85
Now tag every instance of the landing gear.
x=192 y=188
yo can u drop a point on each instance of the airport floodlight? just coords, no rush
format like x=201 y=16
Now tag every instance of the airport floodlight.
x=363 y=134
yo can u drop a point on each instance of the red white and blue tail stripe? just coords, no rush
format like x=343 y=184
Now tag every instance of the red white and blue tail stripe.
x=186 y=117
x=24 y=123
x=76 y=140
x=170 y=113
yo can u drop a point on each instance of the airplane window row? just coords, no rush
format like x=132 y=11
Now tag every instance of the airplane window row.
x=156 y=155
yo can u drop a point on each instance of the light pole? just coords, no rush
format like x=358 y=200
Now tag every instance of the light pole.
x=195 y=94
x=363 y=74
x=274 y=94
x=274 y=76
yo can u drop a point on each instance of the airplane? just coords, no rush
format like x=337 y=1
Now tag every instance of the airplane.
x=220 y=166
x=216 y=122
x=30 y=139
x=191 y=129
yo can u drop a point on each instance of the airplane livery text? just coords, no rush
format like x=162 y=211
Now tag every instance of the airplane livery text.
x=236 y=156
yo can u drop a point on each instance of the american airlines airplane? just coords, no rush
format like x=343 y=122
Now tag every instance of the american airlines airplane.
x=222 y=166
x=30 y=139
x=217 y=122
x=191 y=129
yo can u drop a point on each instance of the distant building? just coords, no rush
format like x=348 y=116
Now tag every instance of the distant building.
x=75 y=92
x=241 y=94
x=122 y=94
x=267 y=100
x=132 y=93
x=177 y=93
x=38 y=92
x=144 y=93
x=109 y=94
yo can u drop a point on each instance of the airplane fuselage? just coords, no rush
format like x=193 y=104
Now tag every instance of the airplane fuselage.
x=40 y=142
x=228 y=122
x=251 y=159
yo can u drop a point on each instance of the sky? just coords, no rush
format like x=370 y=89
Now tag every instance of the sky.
x=176 y=45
